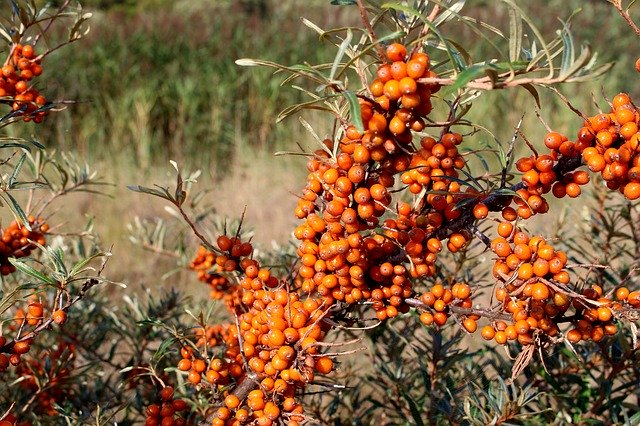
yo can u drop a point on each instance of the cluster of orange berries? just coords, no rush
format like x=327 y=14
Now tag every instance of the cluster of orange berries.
x=615 y=143
x=540 y=175
x=346 y=194
x=217 y=372
x=11 y=352
x=439 y=298
x=259 y=410
x=164 y=413
x=278 y=332
x=18 y=241
x=57 y=369
x=404 y=101
x=21 y=67
x=526 y=258
x=206 y=265
x=535 y=293
x=12 y=420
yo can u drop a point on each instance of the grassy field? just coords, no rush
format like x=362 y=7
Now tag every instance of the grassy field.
x=156 y=81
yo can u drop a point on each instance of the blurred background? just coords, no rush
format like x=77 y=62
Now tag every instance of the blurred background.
x=156 y=80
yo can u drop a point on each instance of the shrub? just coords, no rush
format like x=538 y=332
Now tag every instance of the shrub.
x=414 y=234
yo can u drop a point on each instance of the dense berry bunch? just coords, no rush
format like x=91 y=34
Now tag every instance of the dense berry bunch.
x=439 y=299
x=55 y=367
x=360 y=242
x=166 y=411
x=208 y=268
x=17 y=241
x=20 y=68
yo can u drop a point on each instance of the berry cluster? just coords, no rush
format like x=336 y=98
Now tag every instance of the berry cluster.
x=440 y=298
x=217 y=371
x=534 y=292
x=614 y=146
x=164 y=413
x=21 y=67
x=56 y=366
x=208 y=268
x=18 y=241
x=358 y=246
x=12 y=420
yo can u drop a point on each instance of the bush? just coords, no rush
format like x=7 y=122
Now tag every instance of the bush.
x=417 y=230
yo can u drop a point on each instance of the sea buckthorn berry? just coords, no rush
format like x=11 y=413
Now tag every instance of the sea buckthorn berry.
x=480 y=211
x=396 y=52
x=166 y=393
x=59 y=317
x=470 y=325
x=553 y=140
x=488 y=332
x=505 y=229
x=540 y=291
x=622 y=293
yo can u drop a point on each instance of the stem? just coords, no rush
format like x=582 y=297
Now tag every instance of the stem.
x=367 y=24
x=617 y=4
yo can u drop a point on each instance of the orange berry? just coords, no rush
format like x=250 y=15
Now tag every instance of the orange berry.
x=324 y=365
x=488 y=332
x=480 y=211
x=231 y=401
x=622 y=293
x=470 y=325
x=505 y=229
x=573 y=336
x=396 y=52
x=540 y=291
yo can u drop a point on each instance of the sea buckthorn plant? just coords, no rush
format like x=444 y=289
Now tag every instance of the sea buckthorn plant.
x=422 y=284
x=411 y=239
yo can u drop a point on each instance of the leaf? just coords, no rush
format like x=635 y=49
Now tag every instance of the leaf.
x=354 y=110
x=147 y=190
x=531 y=89
x=32 y=272
x=568 y=51
x=341 y=51
x=343 y=2
x=515 y=34
x=17 y=210
x=78 y=267
x=449 y=12
x=468 y=75
x=16 y=170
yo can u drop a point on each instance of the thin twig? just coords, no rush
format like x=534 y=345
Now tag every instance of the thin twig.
x=367 y=24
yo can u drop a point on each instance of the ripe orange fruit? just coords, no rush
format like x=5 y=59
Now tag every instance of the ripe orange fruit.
x=480 y=211
x=396 y=52
x=488 y=332
x=540 y=291
x=470 y=325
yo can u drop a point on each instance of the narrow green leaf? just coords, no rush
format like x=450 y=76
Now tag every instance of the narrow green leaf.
x=343 y=2
x=146 y=190
x=32 y=272
x=78 y=267
x=292 y=109
x=354 y=110
x=341 y=51
x=17 y=210
x=16 y=170
x=568 y=51
x=515 y=34
x=532 y=89
x=468 y=75
x=449 y=13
